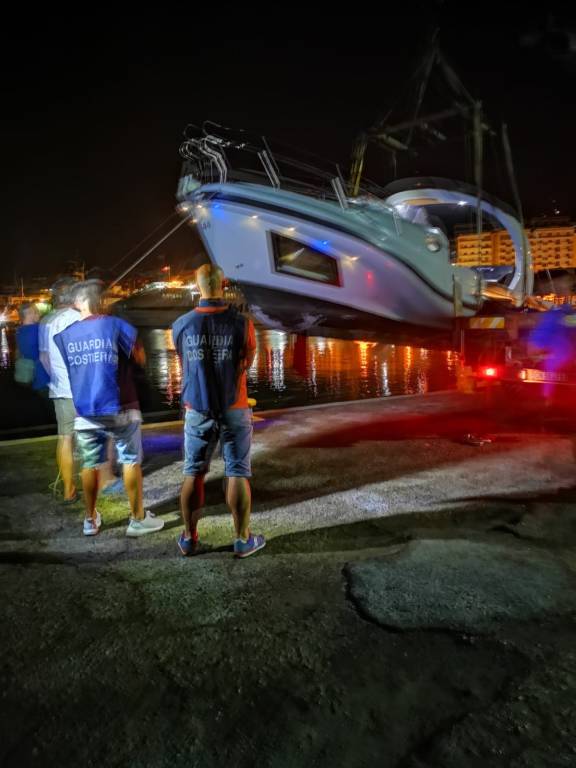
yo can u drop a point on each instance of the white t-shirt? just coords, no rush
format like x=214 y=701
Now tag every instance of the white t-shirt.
x=55 y=322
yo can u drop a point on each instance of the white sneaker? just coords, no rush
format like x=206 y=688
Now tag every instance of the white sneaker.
x=149 y=524
x=91 y=527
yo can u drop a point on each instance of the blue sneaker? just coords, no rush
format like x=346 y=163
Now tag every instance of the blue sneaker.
x=246 y=548
x=116 y=486
x=187 y=546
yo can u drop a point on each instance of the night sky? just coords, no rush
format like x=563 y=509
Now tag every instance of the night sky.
x=90 y=151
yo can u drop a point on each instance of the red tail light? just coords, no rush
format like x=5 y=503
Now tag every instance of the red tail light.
x=489 y=372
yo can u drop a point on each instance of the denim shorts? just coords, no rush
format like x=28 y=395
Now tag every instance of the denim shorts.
x=201 y=434
x=93 y=443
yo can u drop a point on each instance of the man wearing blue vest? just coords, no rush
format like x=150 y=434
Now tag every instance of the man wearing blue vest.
x=216 y=345
x=98 y=352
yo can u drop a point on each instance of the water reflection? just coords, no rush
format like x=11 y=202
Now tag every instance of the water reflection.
x=274 y=350
x=296 y=370
x=385 y=389
x=4 y=350
x=163 y=366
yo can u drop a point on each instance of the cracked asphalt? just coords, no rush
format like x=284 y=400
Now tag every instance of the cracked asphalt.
x=414 y=607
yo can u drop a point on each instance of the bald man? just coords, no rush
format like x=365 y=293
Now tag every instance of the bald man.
x=216 y=345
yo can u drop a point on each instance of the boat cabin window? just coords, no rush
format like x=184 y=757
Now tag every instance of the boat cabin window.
x=300 y=260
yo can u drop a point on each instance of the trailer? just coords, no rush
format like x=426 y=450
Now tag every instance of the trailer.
x=497 y=358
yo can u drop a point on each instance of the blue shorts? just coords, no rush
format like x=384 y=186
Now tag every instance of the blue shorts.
x=93 y=444
x=201 y=434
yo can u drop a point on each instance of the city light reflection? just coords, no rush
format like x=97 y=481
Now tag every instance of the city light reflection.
x=293 y=370
x=4 y=349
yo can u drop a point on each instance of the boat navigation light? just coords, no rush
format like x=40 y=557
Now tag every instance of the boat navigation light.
x=433 y=243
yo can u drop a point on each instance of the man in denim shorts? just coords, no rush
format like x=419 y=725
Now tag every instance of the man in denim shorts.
x=99 y=352
x=216 y=345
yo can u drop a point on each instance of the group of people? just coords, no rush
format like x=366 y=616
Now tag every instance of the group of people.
x=87 y=359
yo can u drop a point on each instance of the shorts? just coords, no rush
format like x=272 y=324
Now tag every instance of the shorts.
x=65 y=415
x=93 y=443
x=201 y=434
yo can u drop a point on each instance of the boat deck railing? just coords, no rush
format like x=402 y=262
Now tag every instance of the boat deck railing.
x=214 y=154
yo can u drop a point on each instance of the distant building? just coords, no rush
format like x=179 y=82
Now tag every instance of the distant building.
x=553 y=247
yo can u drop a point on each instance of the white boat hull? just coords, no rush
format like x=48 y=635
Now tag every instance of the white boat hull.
x=378 y=292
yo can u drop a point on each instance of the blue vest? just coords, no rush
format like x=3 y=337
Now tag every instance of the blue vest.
x=211 y=347
x=91 y=349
